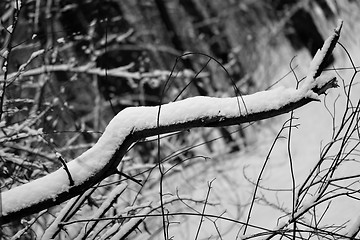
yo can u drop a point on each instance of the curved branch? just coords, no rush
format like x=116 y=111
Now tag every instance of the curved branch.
x=135 y=123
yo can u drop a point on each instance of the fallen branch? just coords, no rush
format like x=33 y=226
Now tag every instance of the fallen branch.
x=136 y=123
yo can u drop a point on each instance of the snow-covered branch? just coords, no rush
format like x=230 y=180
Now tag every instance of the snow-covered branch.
x=136 y=123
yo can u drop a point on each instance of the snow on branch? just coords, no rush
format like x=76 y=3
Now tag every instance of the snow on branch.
x=319 y=61
x=135 y=123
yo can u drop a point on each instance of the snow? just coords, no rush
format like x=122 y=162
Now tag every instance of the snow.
x=135 y=119
x=10 y=28
x=17 y=4
x=320 y=55
x=354 y=229
x=32 y=56
x=314 y=131
x=125 y=229
x=110 y=231
x=61 y=40
x=118 y=190
x=139 y=118
x=5 y=54
x=51 y=230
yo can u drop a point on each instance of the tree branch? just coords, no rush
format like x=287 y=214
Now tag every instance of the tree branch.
x=135 y=123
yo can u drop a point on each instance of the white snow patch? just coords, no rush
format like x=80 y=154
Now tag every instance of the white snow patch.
x=10 y=28
x=5 y=54
x=320 y=55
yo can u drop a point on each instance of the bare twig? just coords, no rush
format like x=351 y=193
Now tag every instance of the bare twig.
x=204 y=207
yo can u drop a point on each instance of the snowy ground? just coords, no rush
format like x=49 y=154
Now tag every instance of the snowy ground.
x=234 y=192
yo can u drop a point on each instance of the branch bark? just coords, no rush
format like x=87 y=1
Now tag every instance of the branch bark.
x=136 y=123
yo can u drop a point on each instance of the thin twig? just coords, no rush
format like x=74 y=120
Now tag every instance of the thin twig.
x=204 y=207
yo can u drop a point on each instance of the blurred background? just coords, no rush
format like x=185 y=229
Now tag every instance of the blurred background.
x=103 y=56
